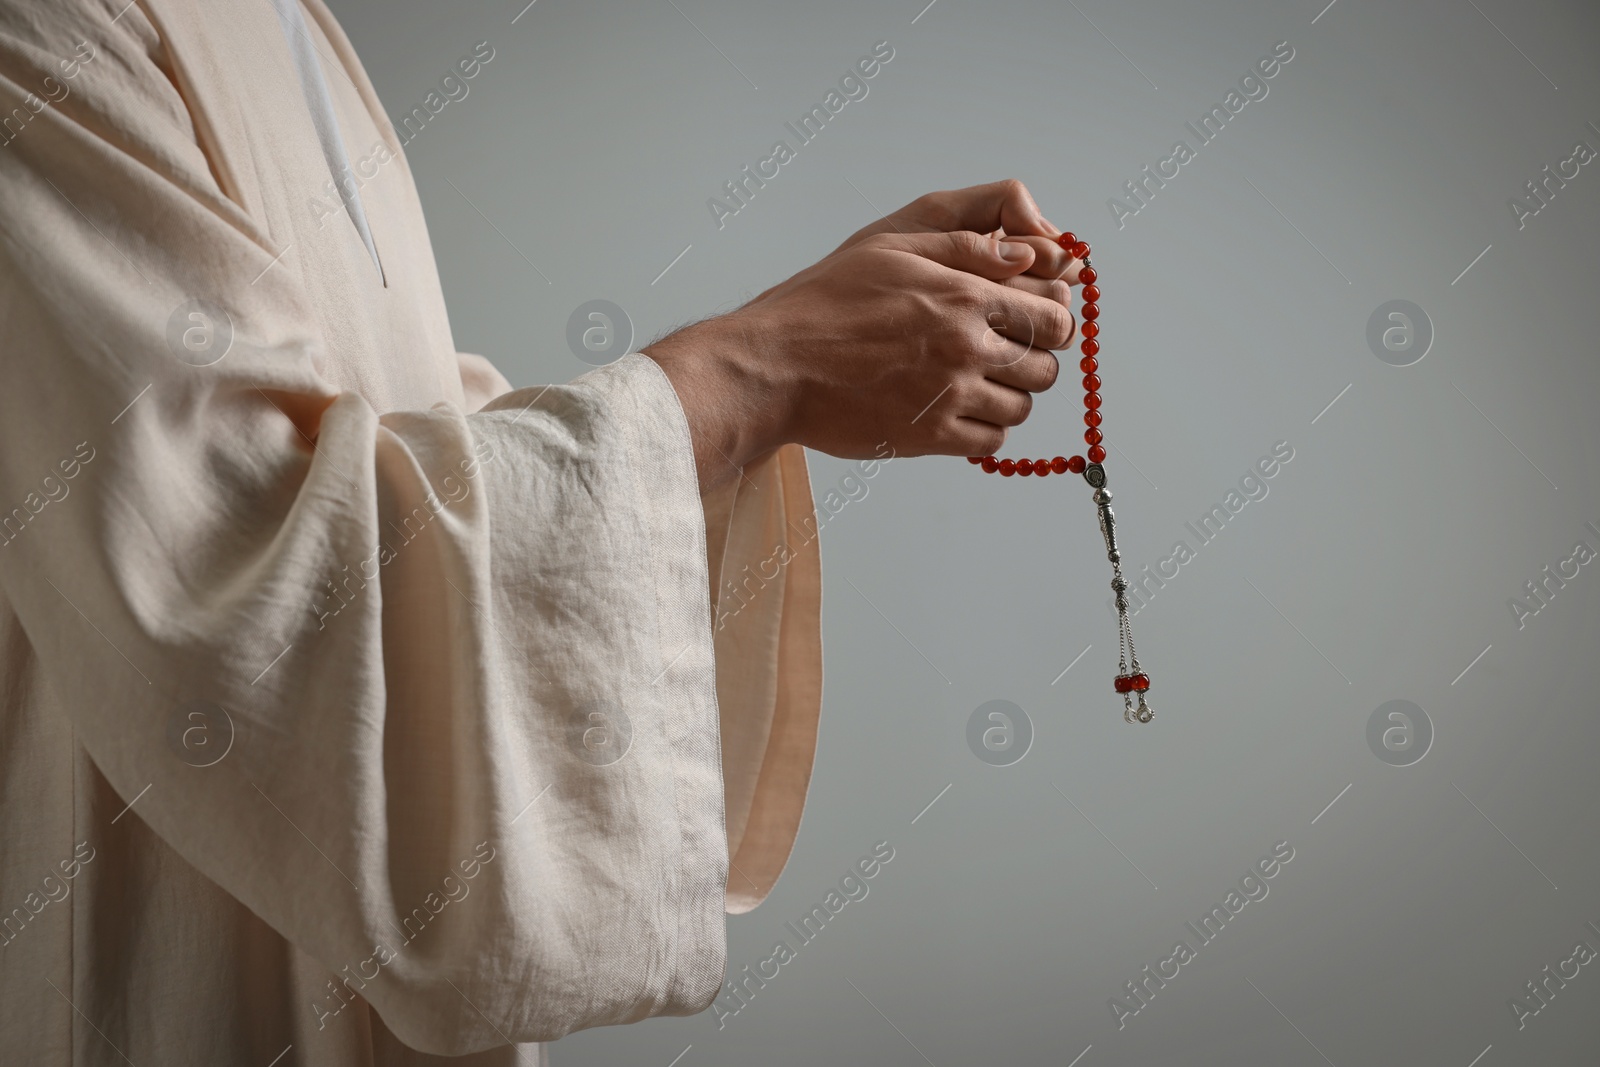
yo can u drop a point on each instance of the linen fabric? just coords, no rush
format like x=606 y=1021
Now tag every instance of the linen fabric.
x=355 y=707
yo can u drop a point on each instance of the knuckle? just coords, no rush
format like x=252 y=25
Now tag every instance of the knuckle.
x=1061 y=293
x=968 y=242
x=1051 y=370
x=1023 y=407
x=997 y=354
x=980 y=352
x=1057 y=326
x=967 y=295
x=924 y=313
x=880 y=241
x=934 y=208
x=990 y=350
x=960 y=395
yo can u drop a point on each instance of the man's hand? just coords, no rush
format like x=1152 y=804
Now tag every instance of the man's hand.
x=898 y=337
x=1003 y=209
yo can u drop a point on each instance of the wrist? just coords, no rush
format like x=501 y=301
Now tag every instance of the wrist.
x=738 y=405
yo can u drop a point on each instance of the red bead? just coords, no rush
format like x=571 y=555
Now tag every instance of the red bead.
x=1059 y=465
x=1067 y=240
x=1091 y=418
x=1122 y=684
x=974 y=459
x=1096 y=454
x=1090 y=312
x=1091 y=382
x=990 y=464
x=1080 y=250
x=1141 y=682
x=1090 y=329
x=1041 y=467
x=1091 y=293
x=1093 y=436
x=1090 y=346
x=1088 y=364
x=1087 y=275
x=1024 y=467
x=1091 y=400
x=1008 y=467
x=1076 y=464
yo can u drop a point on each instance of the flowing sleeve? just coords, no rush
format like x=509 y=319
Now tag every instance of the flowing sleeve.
x=445 y=648
x=766 y=590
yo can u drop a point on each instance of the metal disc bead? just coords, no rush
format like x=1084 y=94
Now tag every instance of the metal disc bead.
x=1095 y=475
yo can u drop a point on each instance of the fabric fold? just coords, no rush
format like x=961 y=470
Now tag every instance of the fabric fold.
x=366 y=700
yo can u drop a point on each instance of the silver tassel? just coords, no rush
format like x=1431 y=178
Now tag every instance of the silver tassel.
x=1127 y=655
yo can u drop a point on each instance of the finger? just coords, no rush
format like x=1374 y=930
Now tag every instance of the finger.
x=999 y=405
x=1003 y=205
x=974 y=437
x=998 y=354
x=1050 y=260
x=1037 y=321
x=1032 y=370
x=965 y=251
x=1050 y=290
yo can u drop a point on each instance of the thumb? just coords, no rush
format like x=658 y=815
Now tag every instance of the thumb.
x=967 y=251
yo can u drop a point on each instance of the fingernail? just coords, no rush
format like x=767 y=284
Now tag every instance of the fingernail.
x=1014 y=251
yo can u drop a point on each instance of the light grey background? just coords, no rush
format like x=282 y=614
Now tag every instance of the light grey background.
x=1379 y=567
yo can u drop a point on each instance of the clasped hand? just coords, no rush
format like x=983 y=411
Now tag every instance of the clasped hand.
x=930 y=329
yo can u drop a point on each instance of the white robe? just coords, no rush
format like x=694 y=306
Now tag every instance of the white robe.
x=314 y=658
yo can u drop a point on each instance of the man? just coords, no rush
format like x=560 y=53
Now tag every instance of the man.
x=358 y=708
